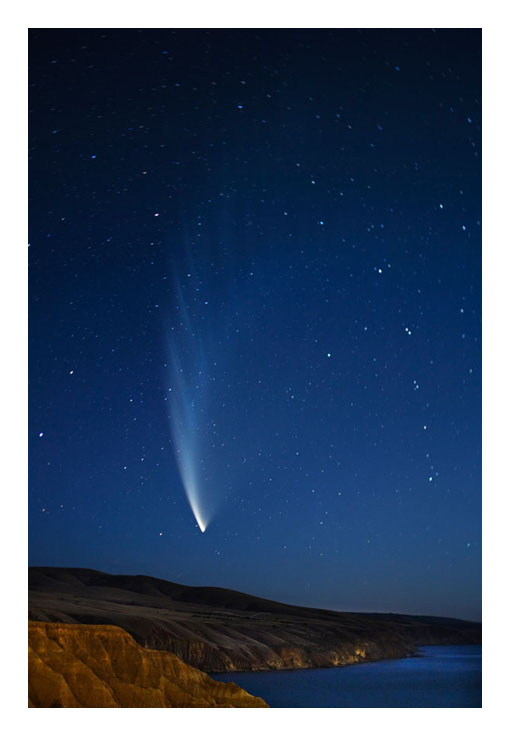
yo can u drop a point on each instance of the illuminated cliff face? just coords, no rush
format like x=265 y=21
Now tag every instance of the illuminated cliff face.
x=78 y=665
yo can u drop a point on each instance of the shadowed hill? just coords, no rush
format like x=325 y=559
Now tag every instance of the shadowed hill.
x=222 y=630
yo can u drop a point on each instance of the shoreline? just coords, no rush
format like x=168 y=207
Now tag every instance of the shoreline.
x=223 y=631
x=444 y=676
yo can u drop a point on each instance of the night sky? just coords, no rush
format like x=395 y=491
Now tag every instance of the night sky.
x=255 y=307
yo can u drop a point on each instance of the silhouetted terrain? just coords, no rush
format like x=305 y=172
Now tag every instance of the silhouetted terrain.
x=221 y=630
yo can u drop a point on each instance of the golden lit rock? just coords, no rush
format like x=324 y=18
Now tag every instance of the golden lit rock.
x=80 y=665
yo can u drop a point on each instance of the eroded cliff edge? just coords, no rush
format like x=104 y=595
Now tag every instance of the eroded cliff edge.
x=221 y=630
x=77 y=665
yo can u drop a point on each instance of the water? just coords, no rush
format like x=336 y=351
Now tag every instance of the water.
x=444 y=676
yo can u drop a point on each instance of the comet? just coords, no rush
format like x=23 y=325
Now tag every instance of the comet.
x=186 y=458
x=188 y=393
x=202 y=331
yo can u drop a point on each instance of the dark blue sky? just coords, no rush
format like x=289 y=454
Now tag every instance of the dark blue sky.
x=259 y=251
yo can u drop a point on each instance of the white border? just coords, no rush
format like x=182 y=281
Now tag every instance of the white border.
x=263 y=14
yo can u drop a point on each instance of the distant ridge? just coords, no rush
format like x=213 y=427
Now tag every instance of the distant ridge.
x=219 y=629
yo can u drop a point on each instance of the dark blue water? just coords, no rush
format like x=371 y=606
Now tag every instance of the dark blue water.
x=445 y=676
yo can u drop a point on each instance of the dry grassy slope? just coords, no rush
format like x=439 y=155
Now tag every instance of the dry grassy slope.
x=222 y=630
x=79 y=665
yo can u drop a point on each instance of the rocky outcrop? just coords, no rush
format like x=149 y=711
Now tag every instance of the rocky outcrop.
x=266 y=651
x=77 y=665
x=221 y=630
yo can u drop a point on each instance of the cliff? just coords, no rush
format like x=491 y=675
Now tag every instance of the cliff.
x=221 y=630
x=77 y=665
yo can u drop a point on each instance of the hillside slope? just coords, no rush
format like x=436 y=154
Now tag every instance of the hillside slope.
x=221 y=630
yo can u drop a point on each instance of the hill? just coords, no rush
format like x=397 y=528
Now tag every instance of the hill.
x=221 y=630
